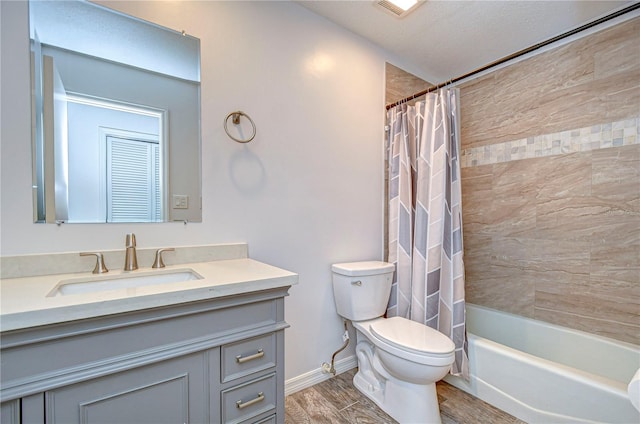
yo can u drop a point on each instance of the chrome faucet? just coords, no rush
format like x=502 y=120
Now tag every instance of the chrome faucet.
x=130 y=259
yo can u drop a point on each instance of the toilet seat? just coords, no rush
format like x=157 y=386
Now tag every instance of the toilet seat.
x=412 y=340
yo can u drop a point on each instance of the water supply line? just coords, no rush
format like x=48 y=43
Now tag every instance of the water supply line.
x=326 y=368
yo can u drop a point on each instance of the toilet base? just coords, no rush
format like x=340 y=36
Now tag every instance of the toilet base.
x=405 y=402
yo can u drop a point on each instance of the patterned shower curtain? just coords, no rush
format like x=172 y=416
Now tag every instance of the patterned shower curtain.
x=425 y=218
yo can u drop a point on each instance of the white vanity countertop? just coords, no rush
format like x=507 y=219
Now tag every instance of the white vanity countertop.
x=26 y=302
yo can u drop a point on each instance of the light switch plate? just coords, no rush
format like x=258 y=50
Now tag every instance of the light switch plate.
x=180 y=201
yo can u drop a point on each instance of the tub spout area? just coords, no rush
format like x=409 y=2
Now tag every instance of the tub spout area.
x=634 y=390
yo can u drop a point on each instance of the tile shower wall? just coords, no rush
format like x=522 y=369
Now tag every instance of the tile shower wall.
x=551 y=186
x=400 y=84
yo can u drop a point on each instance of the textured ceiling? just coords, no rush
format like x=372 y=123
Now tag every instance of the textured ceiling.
x=446 y=39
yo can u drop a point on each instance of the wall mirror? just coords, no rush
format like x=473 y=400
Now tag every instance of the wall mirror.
x=115 y=117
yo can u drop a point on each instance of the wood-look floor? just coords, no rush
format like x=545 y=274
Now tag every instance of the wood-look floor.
x=337 y=401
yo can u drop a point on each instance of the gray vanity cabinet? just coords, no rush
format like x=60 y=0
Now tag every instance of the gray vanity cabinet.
x=170 y=392
x=211 y=361
x=10 y=412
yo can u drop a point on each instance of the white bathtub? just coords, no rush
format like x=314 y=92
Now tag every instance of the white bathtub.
x=544 y=373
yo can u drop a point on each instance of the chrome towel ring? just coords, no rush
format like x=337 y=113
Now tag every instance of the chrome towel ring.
x=235 y=119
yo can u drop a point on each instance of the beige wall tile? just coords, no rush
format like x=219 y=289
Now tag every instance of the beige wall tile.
x=564 y=176
x=476 y=198
x=593 y=79
x=557 y=237
x=518 y=295
x=603 y=327
x=477 y=255
x=401 y=84
x=616 y=173
x=570 y=257
x=617 y=258
x=619 y=53
x=577 y=300
x=503 y=292
x=573 y=218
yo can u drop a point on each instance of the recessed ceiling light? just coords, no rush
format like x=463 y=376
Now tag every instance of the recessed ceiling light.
x=398 y=7
x=404 y=4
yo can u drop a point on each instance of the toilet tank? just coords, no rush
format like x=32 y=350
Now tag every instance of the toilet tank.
x=361 y=289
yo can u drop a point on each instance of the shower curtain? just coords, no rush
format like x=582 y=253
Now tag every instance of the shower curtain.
x=425 y=218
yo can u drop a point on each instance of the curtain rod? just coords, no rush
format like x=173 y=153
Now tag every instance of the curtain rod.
x=584 y=27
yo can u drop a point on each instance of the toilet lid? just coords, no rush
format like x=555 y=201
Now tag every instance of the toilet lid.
x=412 y=336
x=356 y=269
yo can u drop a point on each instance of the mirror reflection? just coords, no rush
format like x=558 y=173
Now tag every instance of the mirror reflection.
x=116 y=117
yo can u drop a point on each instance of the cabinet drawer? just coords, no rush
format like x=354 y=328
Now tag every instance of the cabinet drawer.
x=269 y=420
x=248 y=356
x=249 y=400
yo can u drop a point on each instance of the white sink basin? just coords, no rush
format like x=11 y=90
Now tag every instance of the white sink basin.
x=122 y=281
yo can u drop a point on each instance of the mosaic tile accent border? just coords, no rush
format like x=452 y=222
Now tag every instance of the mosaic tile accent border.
x=602 y=136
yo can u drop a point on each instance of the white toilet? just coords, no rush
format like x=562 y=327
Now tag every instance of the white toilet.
x=399 y=361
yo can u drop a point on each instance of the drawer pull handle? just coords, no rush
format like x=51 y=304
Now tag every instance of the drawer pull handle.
x=241 y=405
x=242 y=360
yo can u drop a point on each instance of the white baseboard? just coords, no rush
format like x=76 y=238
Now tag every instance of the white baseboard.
x=318 y=376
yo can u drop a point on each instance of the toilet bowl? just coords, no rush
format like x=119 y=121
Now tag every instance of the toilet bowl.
x=399 y=361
